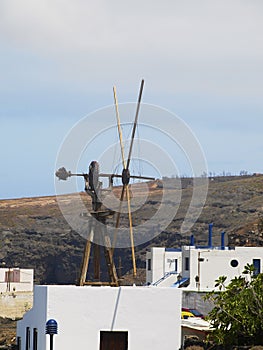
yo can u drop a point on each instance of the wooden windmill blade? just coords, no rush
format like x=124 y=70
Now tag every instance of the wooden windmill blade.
x=135 y=124
x=117 y=223
x=126 y=174
x=123 y=165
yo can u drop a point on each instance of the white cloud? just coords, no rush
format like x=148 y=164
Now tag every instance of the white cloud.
x=202 y=59
x=170 y=25
x=197 y=47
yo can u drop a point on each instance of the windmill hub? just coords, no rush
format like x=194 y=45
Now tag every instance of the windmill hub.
x=94 y=175
x=125 y=177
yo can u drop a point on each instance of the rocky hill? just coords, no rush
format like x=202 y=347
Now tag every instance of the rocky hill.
x=34 y=233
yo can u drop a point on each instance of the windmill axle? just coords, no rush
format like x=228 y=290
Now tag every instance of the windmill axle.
x=125 y=177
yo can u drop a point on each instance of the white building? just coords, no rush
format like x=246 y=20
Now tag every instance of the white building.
x=163 y=265
x=16 y=280
x=92 y=317
x=196 y=268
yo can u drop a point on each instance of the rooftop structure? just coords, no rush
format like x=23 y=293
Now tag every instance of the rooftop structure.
x=16 y=280
x=196 y=268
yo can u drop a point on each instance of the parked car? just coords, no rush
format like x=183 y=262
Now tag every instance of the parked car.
x=186 y=314
x=194 y=312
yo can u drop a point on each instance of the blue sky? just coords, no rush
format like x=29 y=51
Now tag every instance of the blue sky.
x=202 y=60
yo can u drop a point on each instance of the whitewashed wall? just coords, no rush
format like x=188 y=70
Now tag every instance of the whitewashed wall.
x=162 y=262
x=206 y=263
x=209 y=264
x=152 y=316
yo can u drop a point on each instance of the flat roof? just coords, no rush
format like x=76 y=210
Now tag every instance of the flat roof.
x=173 y=249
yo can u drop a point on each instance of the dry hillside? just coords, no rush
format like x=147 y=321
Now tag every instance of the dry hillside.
x=34 y=233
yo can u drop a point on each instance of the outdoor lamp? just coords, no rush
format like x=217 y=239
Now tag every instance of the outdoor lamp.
x=51 y=329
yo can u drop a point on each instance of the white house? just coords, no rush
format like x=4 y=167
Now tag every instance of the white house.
x=132 y=318
x=16 y=280
x=203 y=266
x=163 y=266
x=196 y=268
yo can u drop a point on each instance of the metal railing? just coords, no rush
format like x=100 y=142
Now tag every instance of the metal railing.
x=166 y=275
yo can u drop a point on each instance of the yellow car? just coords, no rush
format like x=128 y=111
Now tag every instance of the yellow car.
x=186 y=314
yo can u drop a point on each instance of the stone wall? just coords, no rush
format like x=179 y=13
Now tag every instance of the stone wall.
x=14 y=305
x=195 y=300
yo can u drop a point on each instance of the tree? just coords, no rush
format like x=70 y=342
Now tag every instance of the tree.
x=237 y=317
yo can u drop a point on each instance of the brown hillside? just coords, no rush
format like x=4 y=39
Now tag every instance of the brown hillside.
x=34 y=233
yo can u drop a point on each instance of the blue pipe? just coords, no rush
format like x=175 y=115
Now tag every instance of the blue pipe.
x=192 y=240
x=210 y=245
x=223 y=240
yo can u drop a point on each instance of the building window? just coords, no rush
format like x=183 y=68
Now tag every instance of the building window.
x=35 y=339
x=187 y=264
x=27 y=338
x=234 y=263
x=172 y=264
x=149 y=263
x=12 y=276
x=113 y=340
x=256 y=264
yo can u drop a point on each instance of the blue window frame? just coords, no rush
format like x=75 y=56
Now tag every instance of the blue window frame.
x=256 y=264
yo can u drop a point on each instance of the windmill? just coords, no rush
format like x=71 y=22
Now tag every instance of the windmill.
x=93 y=187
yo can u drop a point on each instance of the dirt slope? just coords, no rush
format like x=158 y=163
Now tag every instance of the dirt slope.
x=34 y=233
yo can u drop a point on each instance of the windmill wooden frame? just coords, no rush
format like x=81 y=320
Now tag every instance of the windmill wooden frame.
x=93 y=188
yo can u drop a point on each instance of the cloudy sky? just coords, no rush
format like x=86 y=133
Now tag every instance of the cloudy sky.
x=201 y=60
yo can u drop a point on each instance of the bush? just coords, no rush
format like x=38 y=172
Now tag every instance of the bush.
x=237 y=317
